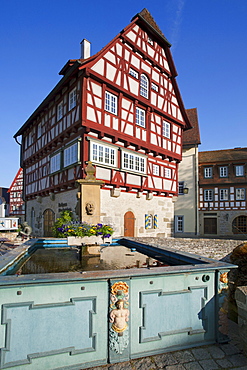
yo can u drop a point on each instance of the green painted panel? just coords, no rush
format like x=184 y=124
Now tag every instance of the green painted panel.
x=171 y=311
x=68 y=328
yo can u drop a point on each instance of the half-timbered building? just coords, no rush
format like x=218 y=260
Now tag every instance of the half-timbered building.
x=16 y=203
x=222 y=196
x=122 y=110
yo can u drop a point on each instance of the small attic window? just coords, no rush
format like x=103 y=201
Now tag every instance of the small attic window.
x=150 y=40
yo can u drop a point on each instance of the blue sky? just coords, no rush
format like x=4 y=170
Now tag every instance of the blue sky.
x=209 y=47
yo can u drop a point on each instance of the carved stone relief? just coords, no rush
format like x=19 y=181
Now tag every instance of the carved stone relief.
x=119 y=317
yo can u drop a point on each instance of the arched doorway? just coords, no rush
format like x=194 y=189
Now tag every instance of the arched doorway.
x=239 y=225
x=129 y=224
x=49 y=219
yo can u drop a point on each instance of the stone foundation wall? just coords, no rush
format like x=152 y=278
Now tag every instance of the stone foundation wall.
x=114 y=206
x=241 y=299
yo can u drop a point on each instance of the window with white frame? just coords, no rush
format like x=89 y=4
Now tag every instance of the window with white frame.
x=208 y=172
x=144 y=86
x=208 y=195
x=167 y=173
x=156 y=170
x=140 y=117
x=55 y=162
x=133 y=73
x=103 y=153
x=60 y=111
x=39 y=130
x=240 y=194
x=166 y=129
x=223 y=194
x=133 y=162
x=154 y=87
x=179 y=224
x=70 y=155
x=239 y=170
x=110 y=102
x=150 y=40
x=180 y=187
x=72 y=99
x=223 y=171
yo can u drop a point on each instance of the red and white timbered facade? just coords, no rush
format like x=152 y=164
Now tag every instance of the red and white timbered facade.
x=122 y=110
x=16 y=203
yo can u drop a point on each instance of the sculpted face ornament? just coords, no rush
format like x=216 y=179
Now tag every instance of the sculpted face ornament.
x=89 y=208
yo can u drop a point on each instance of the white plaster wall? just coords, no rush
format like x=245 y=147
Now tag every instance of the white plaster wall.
x=186 y=205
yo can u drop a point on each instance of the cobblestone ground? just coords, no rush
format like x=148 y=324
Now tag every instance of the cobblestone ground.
x=218 y=249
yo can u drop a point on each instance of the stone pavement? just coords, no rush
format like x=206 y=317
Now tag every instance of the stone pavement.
x=210 y=357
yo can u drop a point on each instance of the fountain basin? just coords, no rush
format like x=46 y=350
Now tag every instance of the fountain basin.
x=61 y=320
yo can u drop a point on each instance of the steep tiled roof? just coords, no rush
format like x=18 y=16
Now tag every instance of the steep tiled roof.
x=192 y=136
x=146 y=16
x=225 y=155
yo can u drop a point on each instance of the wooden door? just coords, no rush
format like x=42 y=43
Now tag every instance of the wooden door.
x=129 y=224
x=210 y=225
x=49 y=219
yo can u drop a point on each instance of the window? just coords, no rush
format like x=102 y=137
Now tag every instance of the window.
x=179 y=224
x=156 y=170
x=240 y=194
x=166 y=129
x=103 y=154
x=223 y=171
x=140 y=117
x=239 y=225
x=60 y=111
x=208 y=195
x=180 y=187
x=55 y=163
x=39 y=130
x=167 y=173
x=70 y=154
x=110 y=103
x=150 y=40
x=72 y=99
x=154 y=87
x=208 y=172
x=133 y=162
x=239 y=170
x=144 y=86
x=133 y=73
x=223 y=194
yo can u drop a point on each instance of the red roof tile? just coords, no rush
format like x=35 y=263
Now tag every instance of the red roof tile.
x=225 y=155
x=192 y=136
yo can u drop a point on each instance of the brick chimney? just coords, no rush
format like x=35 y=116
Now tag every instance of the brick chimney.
x=85 y=49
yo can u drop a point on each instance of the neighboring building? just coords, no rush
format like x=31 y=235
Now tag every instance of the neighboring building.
x=16 y=203
x=222 y=199
x=122 y=110
x=186 y=220
x=4 y=201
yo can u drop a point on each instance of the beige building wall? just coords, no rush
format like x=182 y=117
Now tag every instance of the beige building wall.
x=114 y=204
x=186 y=204
x=114 y=208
